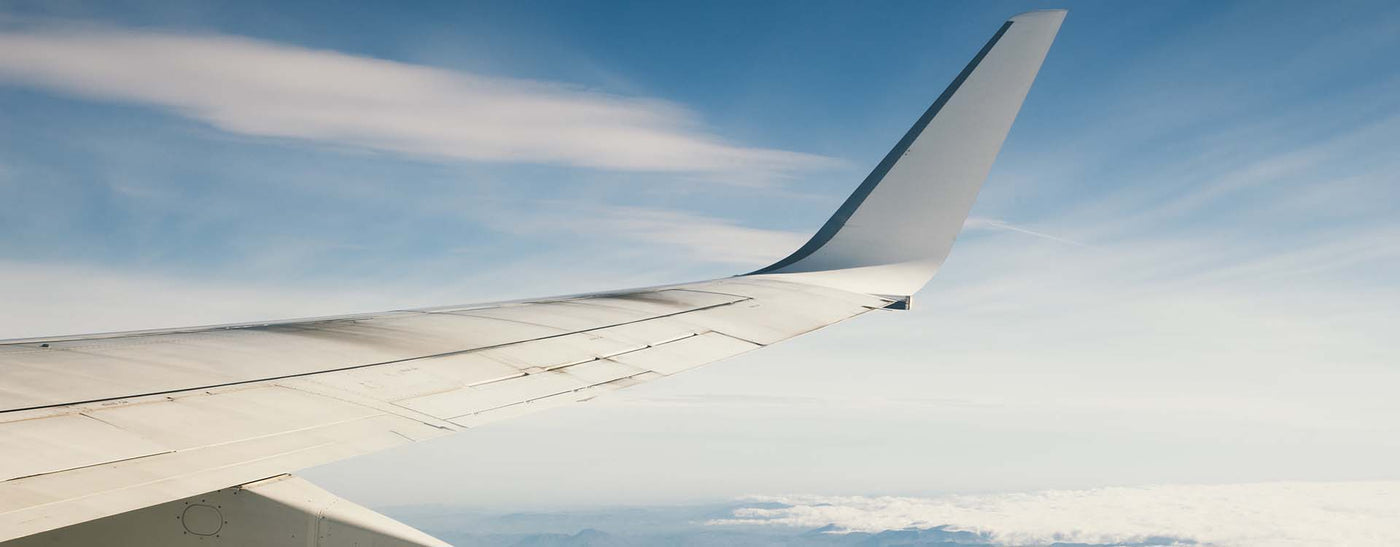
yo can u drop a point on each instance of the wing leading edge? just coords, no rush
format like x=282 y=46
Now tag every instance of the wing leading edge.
x=95 y=428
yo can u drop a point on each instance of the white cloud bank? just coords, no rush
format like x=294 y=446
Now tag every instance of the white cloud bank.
x=1244 y=515
x=267 y=89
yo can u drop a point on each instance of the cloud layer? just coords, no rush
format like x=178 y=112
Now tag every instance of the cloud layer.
x=267 y=89
x=1243 y=515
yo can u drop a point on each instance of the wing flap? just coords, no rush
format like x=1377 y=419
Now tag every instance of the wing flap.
x=687 y=353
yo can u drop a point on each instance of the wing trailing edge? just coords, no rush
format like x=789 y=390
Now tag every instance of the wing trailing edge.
x=891 y=236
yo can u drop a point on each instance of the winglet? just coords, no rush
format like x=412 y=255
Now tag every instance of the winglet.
x=891 y=235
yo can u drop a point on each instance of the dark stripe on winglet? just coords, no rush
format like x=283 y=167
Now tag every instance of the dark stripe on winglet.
x=838 y=220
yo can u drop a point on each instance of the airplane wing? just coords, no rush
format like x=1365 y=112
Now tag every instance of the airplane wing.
x=185 y=436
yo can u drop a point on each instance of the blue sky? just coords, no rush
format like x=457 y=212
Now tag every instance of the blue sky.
x=1135 y=91
x=1181 y=269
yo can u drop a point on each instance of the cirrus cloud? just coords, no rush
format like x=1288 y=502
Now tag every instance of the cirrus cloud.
x=268 y=89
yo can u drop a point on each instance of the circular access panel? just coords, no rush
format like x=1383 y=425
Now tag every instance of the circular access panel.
x=202 y=520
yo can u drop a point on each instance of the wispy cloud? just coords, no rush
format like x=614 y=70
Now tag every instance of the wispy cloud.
x=268 y=89
x=688 y=236
x=702 y=237
x=1244 y=515
x=983 y=223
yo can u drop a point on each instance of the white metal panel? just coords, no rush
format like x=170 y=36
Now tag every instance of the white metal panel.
x=648 y=333
x=601 y=371
x=283 y=511
x=338 y=522
x=44 y=502
x=47 y=444
x=570 y=316
x=205 y=419
x=686 y=353
x=74 y=371
x=458 y=402
x=771 y=319
x=57 y=376
x=764 y=287
x=663 y=302
x=418 y=377
x=549 y=353
x=658 y=300
x=553 y=401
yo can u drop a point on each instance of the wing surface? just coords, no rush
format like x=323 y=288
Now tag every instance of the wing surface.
x=115 y=423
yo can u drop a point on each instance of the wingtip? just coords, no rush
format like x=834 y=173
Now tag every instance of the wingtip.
x=1040 y=14
x=896 y=229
